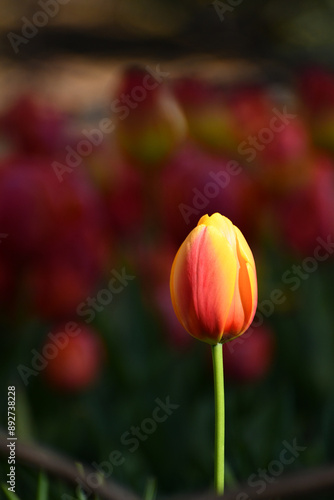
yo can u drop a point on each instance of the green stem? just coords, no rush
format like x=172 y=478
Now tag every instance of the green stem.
x=151 y=489
x=218 y=375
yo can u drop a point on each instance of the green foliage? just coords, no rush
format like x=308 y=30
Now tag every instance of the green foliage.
x=9 y=494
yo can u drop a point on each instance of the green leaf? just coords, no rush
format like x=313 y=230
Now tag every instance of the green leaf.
x=81 y=495
x=9 y=494
x=43 y=487
x=151 y=489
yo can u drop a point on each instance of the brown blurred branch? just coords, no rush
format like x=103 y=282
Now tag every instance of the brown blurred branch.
x=92 y=42
x=298 y=485
x=304 y=483
x=63 y=468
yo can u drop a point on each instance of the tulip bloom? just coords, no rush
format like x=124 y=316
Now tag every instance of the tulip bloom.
x=213 y=281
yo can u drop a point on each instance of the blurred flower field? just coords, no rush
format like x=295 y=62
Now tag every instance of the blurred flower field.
x=93 y=207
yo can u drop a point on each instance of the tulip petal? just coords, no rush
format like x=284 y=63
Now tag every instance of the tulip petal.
x=245 y=295
x=236 y=317
x=203 y=279
x=248 y=292
x=223 y=224
x=247 y=279
x=243 y=247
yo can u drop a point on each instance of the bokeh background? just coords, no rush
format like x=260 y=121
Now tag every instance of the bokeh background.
x=121 y=123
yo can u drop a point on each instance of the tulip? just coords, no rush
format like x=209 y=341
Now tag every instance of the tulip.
x=214 y=294
x=213 y=281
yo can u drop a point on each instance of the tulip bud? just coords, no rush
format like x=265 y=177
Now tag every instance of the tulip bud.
x=213 y=281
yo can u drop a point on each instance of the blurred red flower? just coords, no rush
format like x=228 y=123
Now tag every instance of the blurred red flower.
x=149 y=121
x=124 y=200
x=316 y=87
x=77 y=364
x=33 y=126
x=273 y=138
x=196 y=182
x=209 y=117
x=307 y=214
x=56 y=234
x=249 y=357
